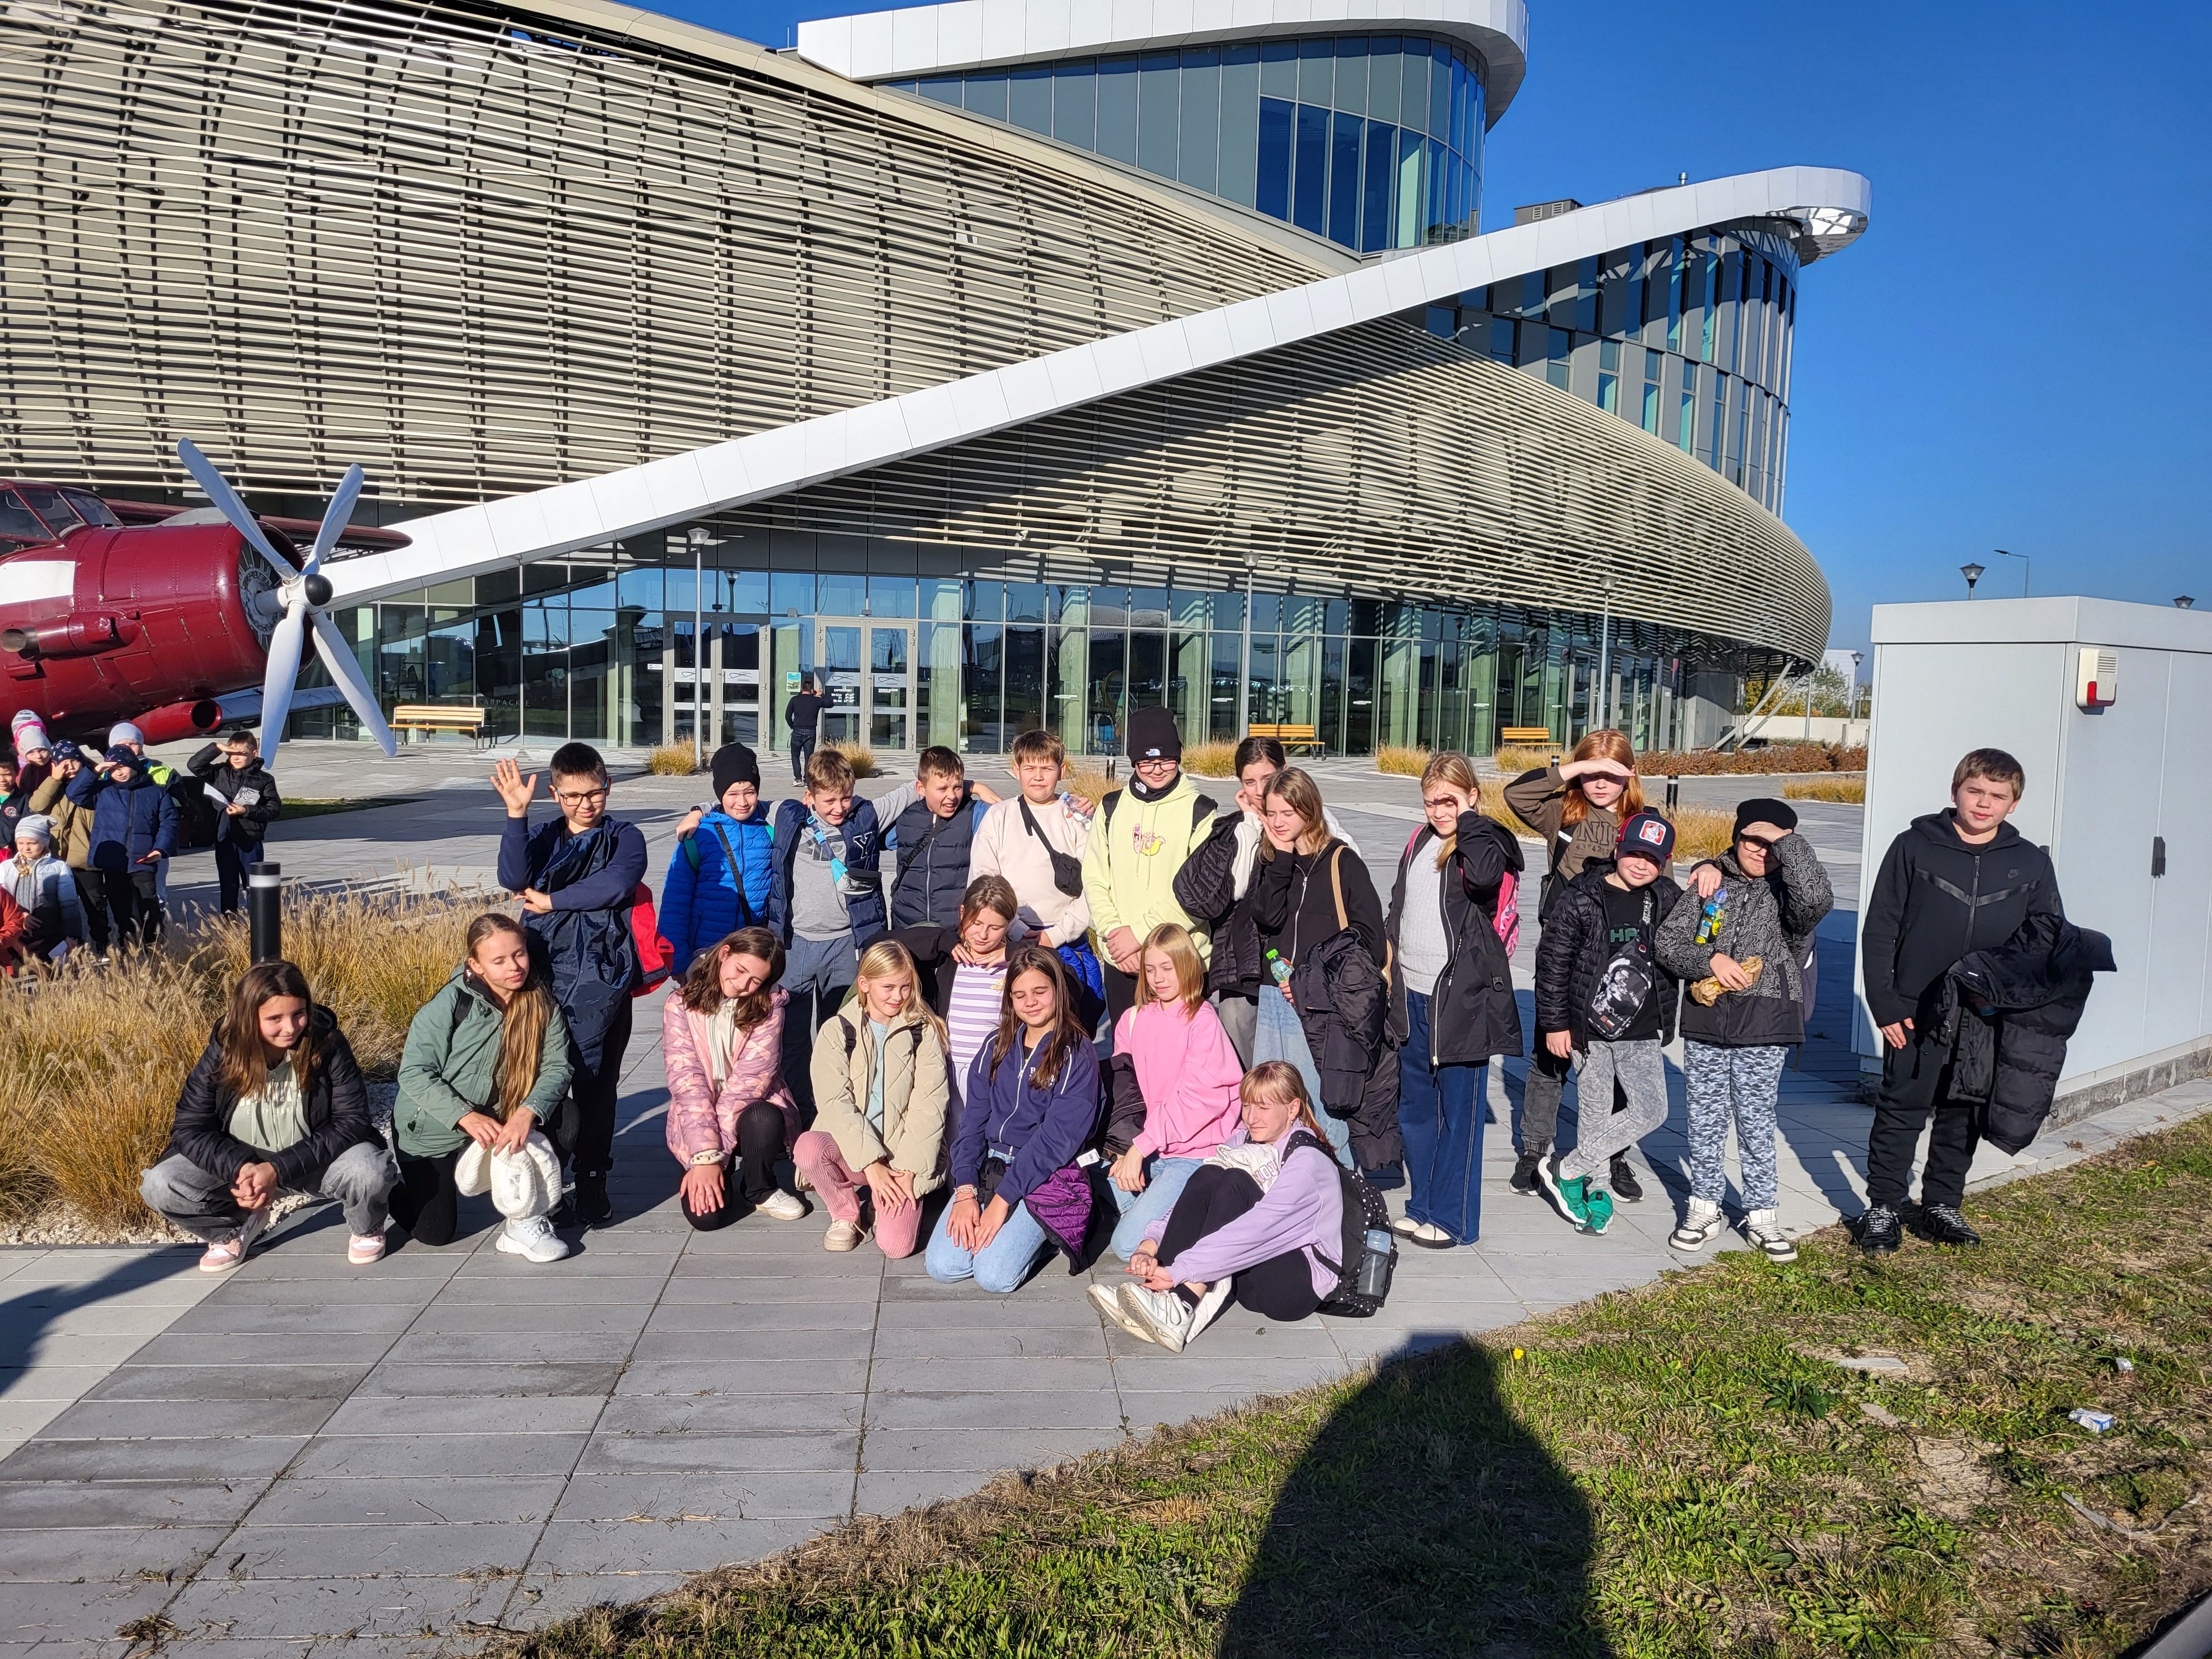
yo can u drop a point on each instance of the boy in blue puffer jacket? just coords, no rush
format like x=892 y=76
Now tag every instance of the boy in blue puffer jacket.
x=720 y=874
x=134 y=828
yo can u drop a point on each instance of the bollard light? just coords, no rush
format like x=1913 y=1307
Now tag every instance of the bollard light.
x=265 y=897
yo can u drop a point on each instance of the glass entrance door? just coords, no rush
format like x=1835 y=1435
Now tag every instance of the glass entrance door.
x=890 y=685
x=866 y=668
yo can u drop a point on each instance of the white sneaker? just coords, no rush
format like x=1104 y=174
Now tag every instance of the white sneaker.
x=1103 y=1299
x=533 y=1239
x=784 y=1206
x=1764 y=1229
x=362 y=1248
x=1699 y=1228
x=1164 y=1315
x=843 y=1236
x=221 y=1258
x=1209 y=1307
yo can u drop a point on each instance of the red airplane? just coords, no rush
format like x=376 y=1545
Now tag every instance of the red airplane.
x=128 y=611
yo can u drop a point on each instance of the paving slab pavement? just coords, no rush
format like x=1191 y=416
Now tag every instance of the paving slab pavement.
x=404 y=1458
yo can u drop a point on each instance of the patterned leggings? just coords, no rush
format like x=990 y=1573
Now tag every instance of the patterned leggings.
x=1738 y=1084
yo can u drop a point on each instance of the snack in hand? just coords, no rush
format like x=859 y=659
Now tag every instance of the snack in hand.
x=1707 y=992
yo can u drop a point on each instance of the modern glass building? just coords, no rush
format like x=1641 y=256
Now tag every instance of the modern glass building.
x=1005 y=363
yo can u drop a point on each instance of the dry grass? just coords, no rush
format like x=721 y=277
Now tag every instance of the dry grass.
x=1852 y=790
x=862 y=757
x=1210 y=760
x=1088 y=779
x=1700 y=832
x=1513 y=762
x=92 y=1059
x=673 y=760
x=1398 y=759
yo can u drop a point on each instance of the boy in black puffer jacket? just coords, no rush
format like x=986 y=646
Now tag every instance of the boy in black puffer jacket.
x=1758 y=901
x=1600 y=991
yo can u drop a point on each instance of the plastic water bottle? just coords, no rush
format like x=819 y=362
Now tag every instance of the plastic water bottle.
x=1714 y=918
x=1279 y=969
x=1374 y=1266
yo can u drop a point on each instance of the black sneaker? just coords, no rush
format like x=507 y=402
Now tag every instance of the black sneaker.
x=1625 y=1187
x=591 y=1205
x=1880 y=1229
x=1524 y=1171
x=1942 y=1224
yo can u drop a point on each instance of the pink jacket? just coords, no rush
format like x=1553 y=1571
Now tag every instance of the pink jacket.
x=699 y=1120
x=1188 y=1074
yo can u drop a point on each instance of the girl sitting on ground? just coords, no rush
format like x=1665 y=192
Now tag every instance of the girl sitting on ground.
x=731 y=1119
x=1253 y=1222
x=1031 y=1105
x=275 y=1105
x=880 y=1093
x=486 y=1059
x=1187 y=1073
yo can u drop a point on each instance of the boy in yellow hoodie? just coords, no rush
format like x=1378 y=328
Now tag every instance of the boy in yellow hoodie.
x=1138 y=842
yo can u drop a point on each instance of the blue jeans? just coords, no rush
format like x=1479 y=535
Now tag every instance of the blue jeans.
x=1143 y=1214
x=1000 y=1266
x=1440 y=1114
x=1278 y=1035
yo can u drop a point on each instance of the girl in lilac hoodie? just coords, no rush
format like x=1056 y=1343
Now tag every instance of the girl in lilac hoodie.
x=1188 y=1075
x=1253 y=1222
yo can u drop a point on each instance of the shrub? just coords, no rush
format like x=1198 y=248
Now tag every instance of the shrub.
x=1398 y=759
x=92 y=1059
x=1088 y=779
x=1210 y=760
x=1513 y=762
x=1700 y=832
x=673 y=760
x=862 y=757
x=1775 y=757
x=1843 y=789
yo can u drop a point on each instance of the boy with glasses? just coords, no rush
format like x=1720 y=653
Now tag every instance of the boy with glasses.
x=577 y=876
x=1741 y=939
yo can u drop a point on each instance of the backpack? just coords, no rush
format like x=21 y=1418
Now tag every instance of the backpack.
x=1202 y=810
x=1506 y=917
x=1362 y=1268
x=656 y=956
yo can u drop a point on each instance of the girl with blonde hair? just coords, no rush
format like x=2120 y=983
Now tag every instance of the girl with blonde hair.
x=1576 y=806
x=1262 y=1221
x=881 y=1092
x=486 y=1059
x=1186 y=1073
x=1451 y=997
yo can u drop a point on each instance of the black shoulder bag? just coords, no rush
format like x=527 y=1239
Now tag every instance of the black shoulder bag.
x=1067 y=868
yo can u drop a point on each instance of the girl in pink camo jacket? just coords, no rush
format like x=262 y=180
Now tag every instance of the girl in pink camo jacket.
x=731 y=1119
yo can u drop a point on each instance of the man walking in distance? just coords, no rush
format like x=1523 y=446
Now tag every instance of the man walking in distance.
x=803 y=714
x=1953 y=883
x=577 y=875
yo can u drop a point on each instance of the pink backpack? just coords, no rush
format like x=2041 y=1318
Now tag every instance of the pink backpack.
x=1506 y=920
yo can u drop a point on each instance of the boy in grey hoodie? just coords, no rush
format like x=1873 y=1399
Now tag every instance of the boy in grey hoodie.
x=1758 y=901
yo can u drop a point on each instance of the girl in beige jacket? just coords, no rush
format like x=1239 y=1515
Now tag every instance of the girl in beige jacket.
x=881 y=1086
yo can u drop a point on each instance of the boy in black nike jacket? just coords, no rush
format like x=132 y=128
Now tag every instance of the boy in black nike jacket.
x=1955 y=882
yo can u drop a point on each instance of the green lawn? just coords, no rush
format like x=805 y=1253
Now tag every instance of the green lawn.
x=1670 y=1471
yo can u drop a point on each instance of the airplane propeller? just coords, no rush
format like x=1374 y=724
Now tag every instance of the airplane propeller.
x=301 y=596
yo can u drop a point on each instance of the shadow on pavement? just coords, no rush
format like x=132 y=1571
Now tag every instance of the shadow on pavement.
x=1424 y=1520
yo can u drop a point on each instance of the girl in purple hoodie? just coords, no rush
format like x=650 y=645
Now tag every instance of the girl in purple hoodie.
x=1253 y=1222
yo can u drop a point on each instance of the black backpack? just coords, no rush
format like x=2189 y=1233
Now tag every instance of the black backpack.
x=1362 y=1272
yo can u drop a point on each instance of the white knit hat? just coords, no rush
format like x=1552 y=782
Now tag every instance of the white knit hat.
x=122 y=733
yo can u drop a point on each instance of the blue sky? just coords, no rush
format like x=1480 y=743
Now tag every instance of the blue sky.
x=2017 y=355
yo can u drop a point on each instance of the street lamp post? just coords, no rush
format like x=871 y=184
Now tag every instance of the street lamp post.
x=1973 y=573
x=2184 y=601
x=2027 y=568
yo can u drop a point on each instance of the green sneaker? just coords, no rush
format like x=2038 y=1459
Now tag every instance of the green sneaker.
x=1566 y=1194
x=1598 y=1205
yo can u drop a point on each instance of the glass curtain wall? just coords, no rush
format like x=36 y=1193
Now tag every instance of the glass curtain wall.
x=1688 y=337
x=1372 y=141
x=607 y=647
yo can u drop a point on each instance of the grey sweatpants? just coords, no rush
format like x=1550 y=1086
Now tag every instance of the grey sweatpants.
x=360 y=1178
x=1738 y=1084
x=1602 y=1134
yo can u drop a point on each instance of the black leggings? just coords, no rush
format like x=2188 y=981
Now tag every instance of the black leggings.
x=1281 y=1287
x=585 y=1132
x=759 y=1143
x=426 y=1201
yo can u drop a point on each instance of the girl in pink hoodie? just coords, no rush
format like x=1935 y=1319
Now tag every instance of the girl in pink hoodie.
x=1187 y=1073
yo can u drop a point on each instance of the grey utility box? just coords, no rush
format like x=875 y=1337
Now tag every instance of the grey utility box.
x=2109 y=708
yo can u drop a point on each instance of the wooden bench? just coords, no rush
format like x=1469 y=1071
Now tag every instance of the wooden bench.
x=1525 y=736
x=1290 y=737
x=439 y=717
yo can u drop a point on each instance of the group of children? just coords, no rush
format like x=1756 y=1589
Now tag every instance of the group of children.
x=876 y=1038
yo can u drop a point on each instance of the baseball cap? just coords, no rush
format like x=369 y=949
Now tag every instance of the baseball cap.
x=1646 y=836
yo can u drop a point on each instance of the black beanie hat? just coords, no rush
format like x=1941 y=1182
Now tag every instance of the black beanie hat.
x=1759 y=809
x=1152 y=734
x=735 y=763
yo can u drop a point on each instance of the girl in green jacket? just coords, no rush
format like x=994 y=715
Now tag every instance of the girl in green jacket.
x=486 y=1059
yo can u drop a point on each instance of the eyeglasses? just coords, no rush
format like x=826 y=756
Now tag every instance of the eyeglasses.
x=577 y=798
x=1759 y=842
